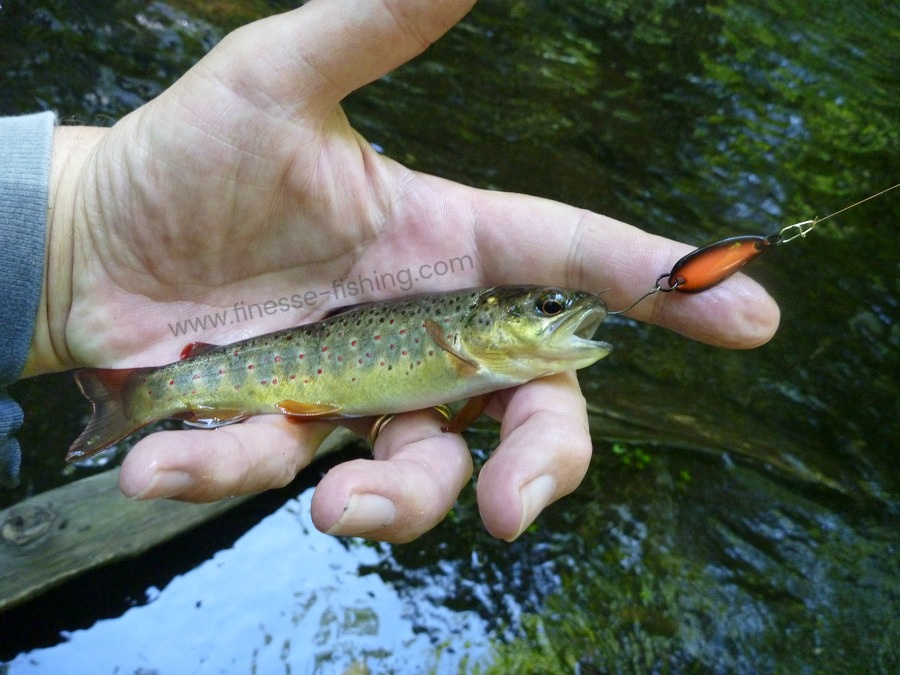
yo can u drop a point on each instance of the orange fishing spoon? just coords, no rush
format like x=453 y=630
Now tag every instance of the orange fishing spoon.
x=705 y=267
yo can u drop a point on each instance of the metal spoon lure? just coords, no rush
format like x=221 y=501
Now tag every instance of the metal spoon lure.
x=705 y=267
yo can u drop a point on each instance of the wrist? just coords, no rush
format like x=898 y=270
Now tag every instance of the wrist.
x=72 y=148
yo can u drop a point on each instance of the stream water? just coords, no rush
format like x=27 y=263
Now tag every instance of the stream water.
x=753 y=525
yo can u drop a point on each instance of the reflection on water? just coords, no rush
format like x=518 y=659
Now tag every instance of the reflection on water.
x=308 y=610
x=764 y=542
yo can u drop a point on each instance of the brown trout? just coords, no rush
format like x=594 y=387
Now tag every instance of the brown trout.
x=373 y=359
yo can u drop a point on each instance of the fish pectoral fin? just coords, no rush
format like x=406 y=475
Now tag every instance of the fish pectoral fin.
x=308 y=410
x=466 y=416
x=464 y=366
x=210 y=418
x=192 y=349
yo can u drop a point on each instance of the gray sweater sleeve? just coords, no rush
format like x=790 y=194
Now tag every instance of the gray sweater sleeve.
x=25 y=146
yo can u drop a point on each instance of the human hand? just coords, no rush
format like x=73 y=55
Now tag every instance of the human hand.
x=244 y=182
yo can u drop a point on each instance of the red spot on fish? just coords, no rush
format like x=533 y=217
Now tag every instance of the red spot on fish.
x=302 y=355
x=236 y=352
x=171 y=382
x=340 y=358
x=277 y=359
x=324 y=349
x=402 y=331
x=319 y=371
x=377 y=337
x=250 y=366
x=353 y=343
x=381 y=363
x=264 y=382
x=293 y=377
x=274 y=381
x=221 y=371
x=391 y=322
x=368 y=355
x=404 y=352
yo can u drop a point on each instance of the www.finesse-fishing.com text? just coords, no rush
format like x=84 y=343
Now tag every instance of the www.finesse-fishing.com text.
x=344 y=289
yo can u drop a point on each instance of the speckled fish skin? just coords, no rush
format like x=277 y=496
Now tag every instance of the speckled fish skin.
x=385 y=357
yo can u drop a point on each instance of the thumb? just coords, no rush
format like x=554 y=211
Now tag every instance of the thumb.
x=312 y=57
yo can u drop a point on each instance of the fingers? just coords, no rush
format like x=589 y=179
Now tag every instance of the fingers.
x=409 y=487
x=522 y=239
x=544 y=453
x=414 y=480
x=202 y=465
x=328 y=48
x=419 y=470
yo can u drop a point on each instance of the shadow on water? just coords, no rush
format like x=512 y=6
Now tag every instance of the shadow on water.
x=740 y=511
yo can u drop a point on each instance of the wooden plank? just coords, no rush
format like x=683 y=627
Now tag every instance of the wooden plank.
x=54 y=536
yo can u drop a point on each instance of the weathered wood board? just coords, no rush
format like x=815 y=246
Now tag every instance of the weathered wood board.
x=54 y=536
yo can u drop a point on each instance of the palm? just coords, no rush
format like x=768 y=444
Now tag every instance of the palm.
x=254 y=209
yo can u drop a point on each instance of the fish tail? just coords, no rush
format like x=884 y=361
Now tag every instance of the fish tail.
x=108 y=390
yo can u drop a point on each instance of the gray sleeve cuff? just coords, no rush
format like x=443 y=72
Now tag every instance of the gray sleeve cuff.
x=26 y=143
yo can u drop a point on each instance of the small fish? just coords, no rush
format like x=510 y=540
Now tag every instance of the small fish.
x=373 y=359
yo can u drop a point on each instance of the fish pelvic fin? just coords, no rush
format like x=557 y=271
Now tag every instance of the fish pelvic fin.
x=107 y=390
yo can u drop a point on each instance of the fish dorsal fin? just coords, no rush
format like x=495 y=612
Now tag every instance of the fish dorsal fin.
x=309 y=410
x=192 y=349
x=464 y=366
x=335 y=311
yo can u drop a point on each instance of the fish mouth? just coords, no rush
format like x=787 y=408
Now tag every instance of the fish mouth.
x=571 y=335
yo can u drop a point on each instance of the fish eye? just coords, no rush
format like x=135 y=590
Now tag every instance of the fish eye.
x=551 y=302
